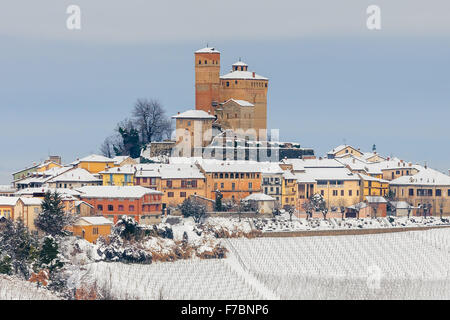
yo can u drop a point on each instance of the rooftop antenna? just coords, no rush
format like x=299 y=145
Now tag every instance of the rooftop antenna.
x=207 y=45
x=345 y=141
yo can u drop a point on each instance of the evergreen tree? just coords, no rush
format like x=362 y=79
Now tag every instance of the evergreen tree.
x=218 y=204
x=48 y=255
x=18 y=249
x=52 y=220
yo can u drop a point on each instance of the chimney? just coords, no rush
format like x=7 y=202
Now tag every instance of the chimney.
x=253 y=74
x=178 y=112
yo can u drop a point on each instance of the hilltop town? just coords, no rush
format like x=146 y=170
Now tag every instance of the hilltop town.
x=222 y=175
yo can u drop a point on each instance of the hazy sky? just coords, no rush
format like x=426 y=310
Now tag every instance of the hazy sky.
x=63 y=91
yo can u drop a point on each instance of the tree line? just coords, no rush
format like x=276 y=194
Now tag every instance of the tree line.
x=148 y=122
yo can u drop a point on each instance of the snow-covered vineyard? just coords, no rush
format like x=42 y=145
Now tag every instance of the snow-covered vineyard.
x=15 y=289
x=407 y=265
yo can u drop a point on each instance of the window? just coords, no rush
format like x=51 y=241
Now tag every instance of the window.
x=228 y=83
x=250 y=185
x=120 y=208
x=322 y=193
x=169 y=183
x=110 y=207
x=131 y=207
x=183 y=194
x=199 y=61
x=221 y=185
x=350 y=193
x=170 y=194
x=94 y=230
x=438 y=193
x=411 y=192
x=233 y=186
x=100 y=207
x=335 y=193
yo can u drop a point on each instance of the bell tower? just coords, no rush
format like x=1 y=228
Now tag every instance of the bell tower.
x=207 y=79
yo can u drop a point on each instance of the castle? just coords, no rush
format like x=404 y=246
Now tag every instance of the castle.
x=238 y=99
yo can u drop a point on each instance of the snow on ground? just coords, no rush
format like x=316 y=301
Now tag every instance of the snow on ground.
x=404 y=265
x=283 y=223
x=16 y=289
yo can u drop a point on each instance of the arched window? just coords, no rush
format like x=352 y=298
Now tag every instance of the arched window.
x=199 y=61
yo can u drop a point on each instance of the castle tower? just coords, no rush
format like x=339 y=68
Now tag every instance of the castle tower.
x=207 y=79
x=241 y=84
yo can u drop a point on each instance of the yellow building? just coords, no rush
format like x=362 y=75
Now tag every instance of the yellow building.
x=236 y=115
x=91 y=228
x=425 y=187
x=289 y=189
x=120 y=161
x=118 y=176
x=344 y=151
x=234 y=179
x=371 y=186
x=95 y=163
x=177 y=182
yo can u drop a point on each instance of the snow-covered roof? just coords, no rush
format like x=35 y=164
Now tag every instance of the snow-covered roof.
x=332 y=174
x=258 y=197
x=289 y=175
x=242 y=103
x=240 y=63
x=119 y=159
x=95 y=158
x=75 y=175
x=360 y=205
x=126 y=169
x=302 y=164
x=229 y=166
x=370 y=178
x=31 y=201
x=270 y=168
x=427 y=176
x=131 y=192
x=194 y=114
x=8 y=201
x=339 y=148
x=7 y=188
x=170 y=171
x=207 y=50
x=400 y=204
x=98 y=220
x=304 y=177
x=243 y=75
x=376 y=199
x=368 y=155
x=61 y=191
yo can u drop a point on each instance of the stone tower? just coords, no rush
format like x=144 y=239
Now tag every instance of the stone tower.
x=241 y=84
x=207 y=79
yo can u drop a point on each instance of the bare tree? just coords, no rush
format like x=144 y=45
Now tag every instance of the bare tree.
x=441 y=204
x=342 y=204
x=151 y=120
x=374 y=206
x=290 y=210
x=308 y=207
x=358 y=207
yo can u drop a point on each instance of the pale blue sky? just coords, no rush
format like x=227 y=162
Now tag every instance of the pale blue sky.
x=62 y=92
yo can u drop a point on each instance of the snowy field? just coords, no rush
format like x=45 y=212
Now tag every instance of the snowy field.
x=284 y=224
x=405 y=265
x=15 y=289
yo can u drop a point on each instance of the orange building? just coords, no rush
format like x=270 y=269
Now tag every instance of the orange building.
x=143 y=204
x=234 y=179
x=90 y=228
x=211 y=89
x=176 y=181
